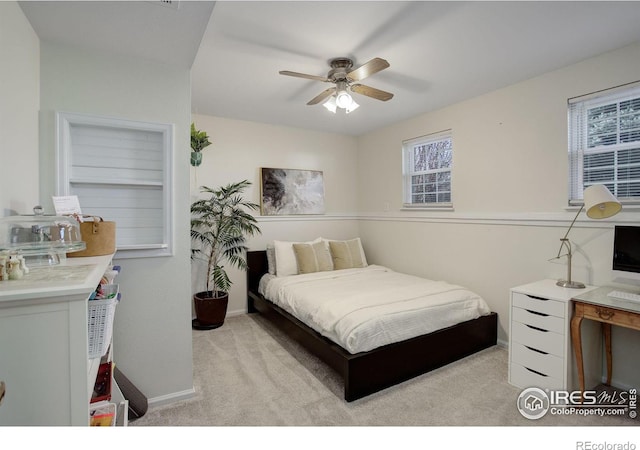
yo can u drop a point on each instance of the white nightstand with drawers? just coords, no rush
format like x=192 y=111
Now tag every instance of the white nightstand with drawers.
x=540 y=352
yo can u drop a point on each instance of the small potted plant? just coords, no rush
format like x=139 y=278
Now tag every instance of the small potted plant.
x=199 y=140
x=220 y=225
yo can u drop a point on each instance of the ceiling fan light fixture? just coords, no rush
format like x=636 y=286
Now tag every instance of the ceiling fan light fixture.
x=343 y=99
x=352 y=107
x=342 y=75
x=330 y=104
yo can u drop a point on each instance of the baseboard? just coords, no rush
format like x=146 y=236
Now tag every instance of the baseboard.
x=237 y=312
x=618 y=384
x=171 y=398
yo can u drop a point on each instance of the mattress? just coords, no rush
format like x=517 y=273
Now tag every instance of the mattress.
x=362 y=309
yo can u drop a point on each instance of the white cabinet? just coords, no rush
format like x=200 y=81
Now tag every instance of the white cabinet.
x=43 y=344
x=540 y=352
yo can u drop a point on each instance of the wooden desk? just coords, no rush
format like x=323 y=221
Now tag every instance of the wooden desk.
x=596 y=305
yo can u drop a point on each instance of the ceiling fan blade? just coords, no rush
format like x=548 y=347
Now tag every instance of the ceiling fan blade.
x=371 y=92
x=368 y=69
x=321 y=96
x=303 y=75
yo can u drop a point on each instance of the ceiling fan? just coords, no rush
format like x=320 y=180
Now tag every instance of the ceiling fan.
x=346 y=80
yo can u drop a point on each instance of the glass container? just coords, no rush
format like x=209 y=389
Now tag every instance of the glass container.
x=40 y=238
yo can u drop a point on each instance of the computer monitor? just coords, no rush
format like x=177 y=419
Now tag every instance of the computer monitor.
x=626 y=254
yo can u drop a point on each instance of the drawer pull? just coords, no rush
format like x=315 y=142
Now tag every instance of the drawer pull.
x=537 y=298
x=537 y=313
x=537 y=329
x=536 y=350
x=605 y=314
x=536 y=372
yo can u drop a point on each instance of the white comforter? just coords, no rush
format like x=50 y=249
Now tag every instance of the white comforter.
x=361 y=309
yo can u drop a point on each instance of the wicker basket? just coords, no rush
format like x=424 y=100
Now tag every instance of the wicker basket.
x=100 y=321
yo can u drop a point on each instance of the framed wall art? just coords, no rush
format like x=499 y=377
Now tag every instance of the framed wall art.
x=291 y=192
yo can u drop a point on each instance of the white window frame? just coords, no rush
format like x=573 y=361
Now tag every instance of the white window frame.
x=578 y=147
x=66 y=181
x=408 y=172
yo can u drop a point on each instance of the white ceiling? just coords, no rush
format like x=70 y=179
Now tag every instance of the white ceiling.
x=440 y=52
x=142 y=29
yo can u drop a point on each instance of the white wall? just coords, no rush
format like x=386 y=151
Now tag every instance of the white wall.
x=19 y=104
x=509 y=194
x=238 y=152
x=152 y=333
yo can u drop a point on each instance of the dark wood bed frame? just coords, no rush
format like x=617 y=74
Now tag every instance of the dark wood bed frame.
x=368 y=372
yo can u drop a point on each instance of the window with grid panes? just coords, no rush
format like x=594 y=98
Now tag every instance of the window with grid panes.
x=428 y=162
x=604 y=143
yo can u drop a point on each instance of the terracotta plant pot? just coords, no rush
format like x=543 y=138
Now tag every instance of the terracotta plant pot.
x=211 y=310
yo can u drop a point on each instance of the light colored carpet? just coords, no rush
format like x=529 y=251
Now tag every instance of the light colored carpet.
x=247 y=373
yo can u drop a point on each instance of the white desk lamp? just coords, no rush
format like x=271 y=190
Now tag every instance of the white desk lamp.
x=599 y=203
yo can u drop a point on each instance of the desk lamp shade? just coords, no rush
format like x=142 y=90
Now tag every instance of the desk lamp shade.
x=599 y=203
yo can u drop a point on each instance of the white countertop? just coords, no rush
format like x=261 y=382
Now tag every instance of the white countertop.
x=72 y=276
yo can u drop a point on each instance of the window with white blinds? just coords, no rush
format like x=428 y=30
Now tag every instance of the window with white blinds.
x=428 y=161
x=604 y=143
x=120 y=171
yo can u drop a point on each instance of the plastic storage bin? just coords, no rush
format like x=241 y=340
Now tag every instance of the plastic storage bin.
x=103 y=414
x=100 y=314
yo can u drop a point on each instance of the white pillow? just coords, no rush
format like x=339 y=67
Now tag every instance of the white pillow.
x=286 y=263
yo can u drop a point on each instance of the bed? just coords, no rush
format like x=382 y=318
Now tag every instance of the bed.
x=365 y=370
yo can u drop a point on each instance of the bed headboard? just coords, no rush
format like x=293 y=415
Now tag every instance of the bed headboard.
x=257 y=262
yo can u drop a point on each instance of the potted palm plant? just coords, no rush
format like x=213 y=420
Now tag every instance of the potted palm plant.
x=199 y=140
x=220 y=226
